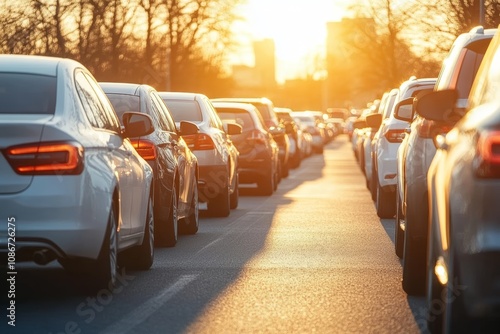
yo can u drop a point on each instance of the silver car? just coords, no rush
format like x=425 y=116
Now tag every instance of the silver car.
x=217 y=156
x=72 y=184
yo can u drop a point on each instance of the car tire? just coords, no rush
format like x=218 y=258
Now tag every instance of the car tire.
x=169 y=238
x=385 y=203
x=220 y=205
x=434 y=294
x=414 y=258
x=192 y=222
x=267 y=185
x=373 y=183
x=399 y=235
x=234 y=198
x=141 y=257
x=105 y=271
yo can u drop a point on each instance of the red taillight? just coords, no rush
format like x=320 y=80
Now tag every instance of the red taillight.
x=430 y=129
x=257 y=137
x=199 y=141
x=145 y=148
x=46 y=158
x=395 y=136
x=488 y=155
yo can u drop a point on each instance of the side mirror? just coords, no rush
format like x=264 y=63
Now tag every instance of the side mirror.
x=233 y=129
x=137 y=124
x=359 y=124
x=374 y=120
x=437 y=106
x=188 y=128
x=403 y=110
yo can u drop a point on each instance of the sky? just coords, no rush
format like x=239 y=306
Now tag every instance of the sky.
x=298 y=28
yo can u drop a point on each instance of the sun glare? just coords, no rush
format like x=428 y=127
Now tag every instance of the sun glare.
x=298 y=28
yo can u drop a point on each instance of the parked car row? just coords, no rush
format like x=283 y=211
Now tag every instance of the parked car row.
x=98 y=174
x=436 y=162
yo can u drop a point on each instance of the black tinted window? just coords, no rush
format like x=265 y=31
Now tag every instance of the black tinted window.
x=27 y=94
x=123 y=102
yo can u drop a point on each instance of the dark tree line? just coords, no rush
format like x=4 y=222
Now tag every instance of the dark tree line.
x=169 y=44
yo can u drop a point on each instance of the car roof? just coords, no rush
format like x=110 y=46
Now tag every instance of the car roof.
x=122 y=87
x=181 y=95
x=262 y=100
x=236 y=105
x=42 y=65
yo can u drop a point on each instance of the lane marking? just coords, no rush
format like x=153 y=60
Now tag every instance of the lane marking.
x=138 y=315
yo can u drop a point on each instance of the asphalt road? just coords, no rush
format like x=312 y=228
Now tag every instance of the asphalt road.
x=312 y=258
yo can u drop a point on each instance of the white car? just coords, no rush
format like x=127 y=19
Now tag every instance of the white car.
x=71 y=180
x=391 y=134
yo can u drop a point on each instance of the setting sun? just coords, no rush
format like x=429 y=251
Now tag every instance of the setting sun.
x=298 y=28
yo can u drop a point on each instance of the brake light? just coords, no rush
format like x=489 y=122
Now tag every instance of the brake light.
x=430 y=129
x=257 y=136
x=46 y=158
x=395 y=135
x=199 y=141
x=145 y=148
x=488 y=155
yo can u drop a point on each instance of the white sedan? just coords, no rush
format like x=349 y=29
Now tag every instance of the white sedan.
x=71 y=181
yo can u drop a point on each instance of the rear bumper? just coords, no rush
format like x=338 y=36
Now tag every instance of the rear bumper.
x=213 y=180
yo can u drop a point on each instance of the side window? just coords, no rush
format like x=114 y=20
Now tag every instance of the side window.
x=90 y=102
x=166 y=118
x=214 y=118
x=467 y=72
x=113 y=123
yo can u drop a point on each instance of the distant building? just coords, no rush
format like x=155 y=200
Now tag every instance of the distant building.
x=344 y=63
x=259 y=80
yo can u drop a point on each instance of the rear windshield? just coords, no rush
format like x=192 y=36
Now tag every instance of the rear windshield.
x=184 y=110
x=124 y=102
x=22 y=93
x=236 y=116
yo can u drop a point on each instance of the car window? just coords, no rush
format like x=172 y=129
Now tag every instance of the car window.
x=215 y=119
x=113 y=123
x=27 y=93
x=165 y=119
x=238 y=116
x=184 y=110
x=458 y=60
x=90 y=102
x=124 y=102
x=486 y=85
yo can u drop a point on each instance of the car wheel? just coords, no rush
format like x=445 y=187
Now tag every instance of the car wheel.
x=234 y=198
x=267 y=185
x=435 y=303
x=399 y=232
x=455 y=319
x=373 y=183
x=142 y=256
x=191 y=223
x=285 y=170
x=220 y=205
x=105 y=271
x=385 y=203
x=172 y=223
x=414 y=257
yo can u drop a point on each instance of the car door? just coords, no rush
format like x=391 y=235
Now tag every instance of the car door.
x=112 y=146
